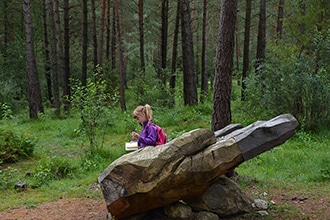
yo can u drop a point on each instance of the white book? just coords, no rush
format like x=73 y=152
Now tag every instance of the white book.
x=131 y=146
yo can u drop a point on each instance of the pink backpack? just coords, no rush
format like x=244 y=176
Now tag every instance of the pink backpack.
x=162 y=137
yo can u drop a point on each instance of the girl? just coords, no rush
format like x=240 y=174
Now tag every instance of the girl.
x=149 y=134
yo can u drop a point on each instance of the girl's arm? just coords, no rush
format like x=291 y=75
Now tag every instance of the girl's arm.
x=150 y=137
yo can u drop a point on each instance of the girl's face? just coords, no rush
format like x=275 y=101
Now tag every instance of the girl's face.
x=140 y=119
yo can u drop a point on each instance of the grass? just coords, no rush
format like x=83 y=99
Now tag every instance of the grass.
x=301 y=163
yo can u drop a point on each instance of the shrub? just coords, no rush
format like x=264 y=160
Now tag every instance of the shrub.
x=52 y=168
x=14 y=147
x=290 y=83
x=93 y=102
x=5 y=111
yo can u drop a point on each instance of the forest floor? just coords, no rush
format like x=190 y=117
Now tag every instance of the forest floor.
x=285 y=204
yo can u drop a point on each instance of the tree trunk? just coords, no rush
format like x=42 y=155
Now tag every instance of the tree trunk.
x=221 y=115
x=94 y=34
x=204 y=81
x=66 y=70
x=164 y=31
x=238 y=51
x=84 y=44
x=107 y=50
x=246 y=53
x=141 y=31
x=53 y=49
x=175 y=47
x=46 y=53
x=113 y=40
x=280 y=16
x=34 y=92
x=6 y=28
x=298 y=103
x=61 y=55
x=261 y=44
x=101 y=34
x=189 y=78
x=120 y=58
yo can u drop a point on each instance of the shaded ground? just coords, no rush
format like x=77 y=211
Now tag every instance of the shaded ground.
x=284 y=205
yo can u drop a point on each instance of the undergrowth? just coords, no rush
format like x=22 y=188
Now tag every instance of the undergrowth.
x=62 y=164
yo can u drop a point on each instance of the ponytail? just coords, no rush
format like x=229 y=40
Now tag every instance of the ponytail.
x=143 y=111
x=148 y=113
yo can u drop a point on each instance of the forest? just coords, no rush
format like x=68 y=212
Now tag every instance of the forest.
x=72 y=72
x=280 y=59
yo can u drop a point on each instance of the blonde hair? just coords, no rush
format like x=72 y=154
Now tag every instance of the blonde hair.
x=143 y=111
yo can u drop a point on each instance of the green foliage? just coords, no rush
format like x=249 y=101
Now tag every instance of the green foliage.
x=50 y=169
x=148 y=89
x=9 y=96
x=61 y=166
x=288 y=83
x=14 y=147
x=5 y=111
x=7 y=177
x=93 y=102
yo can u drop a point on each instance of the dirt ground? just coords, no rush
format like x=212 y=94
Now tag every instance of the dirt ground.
x=298 y=205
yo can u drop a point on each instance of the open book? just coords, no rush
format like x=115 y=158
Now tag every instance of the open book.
x=130 y=146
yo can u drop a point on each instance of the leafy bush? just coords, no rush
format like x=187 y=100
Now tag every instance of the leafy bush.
x=148 y=89
x=296 y=84
x=93 y=102
x=52 y=169
x=14 y=147
x=5 y=111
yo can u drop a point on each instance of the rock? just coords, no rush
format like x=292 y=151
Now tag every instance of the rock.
x=206 y=216
x=186 y=166
x=224 y=197
x=20 y=185
x=263 y=213
x=178 y=210
x=260 y=204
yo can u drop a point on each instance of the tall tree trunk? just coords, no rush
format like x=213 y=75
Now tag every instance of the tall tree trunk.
x=141 y=31
x=261 y=44
x=94 y=33
x=6 y=29
x=164 y=31
x=120 y=58
x=221 y=115
x=238 y=51
x=204 y=81
x=101 y=34
x=246 y=53
x=53 y=49
x=108 y=24
x=298 y=103
x=280 y=16
x=113 y=40
x=66 y=70
x=46 y=53
x=194 y=27
x=189 y=77
x=84 y=43
x=175 y=53
x=61 y=54
x=175 y=47
x=34 y=92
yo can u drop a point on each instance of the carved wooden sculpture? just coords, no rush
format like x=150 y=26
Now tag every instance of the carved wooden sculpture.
x=186 y=166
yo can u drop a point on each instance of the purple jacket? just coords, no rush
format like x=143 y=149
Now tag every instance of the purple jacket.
x=148 y=135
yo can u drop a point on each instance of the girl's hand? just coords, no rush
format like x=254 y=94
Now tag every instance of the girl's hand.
x=135 y=135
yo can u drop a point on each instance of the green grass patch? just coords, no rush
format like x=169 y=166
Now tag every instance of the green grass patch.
x=62 y=165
